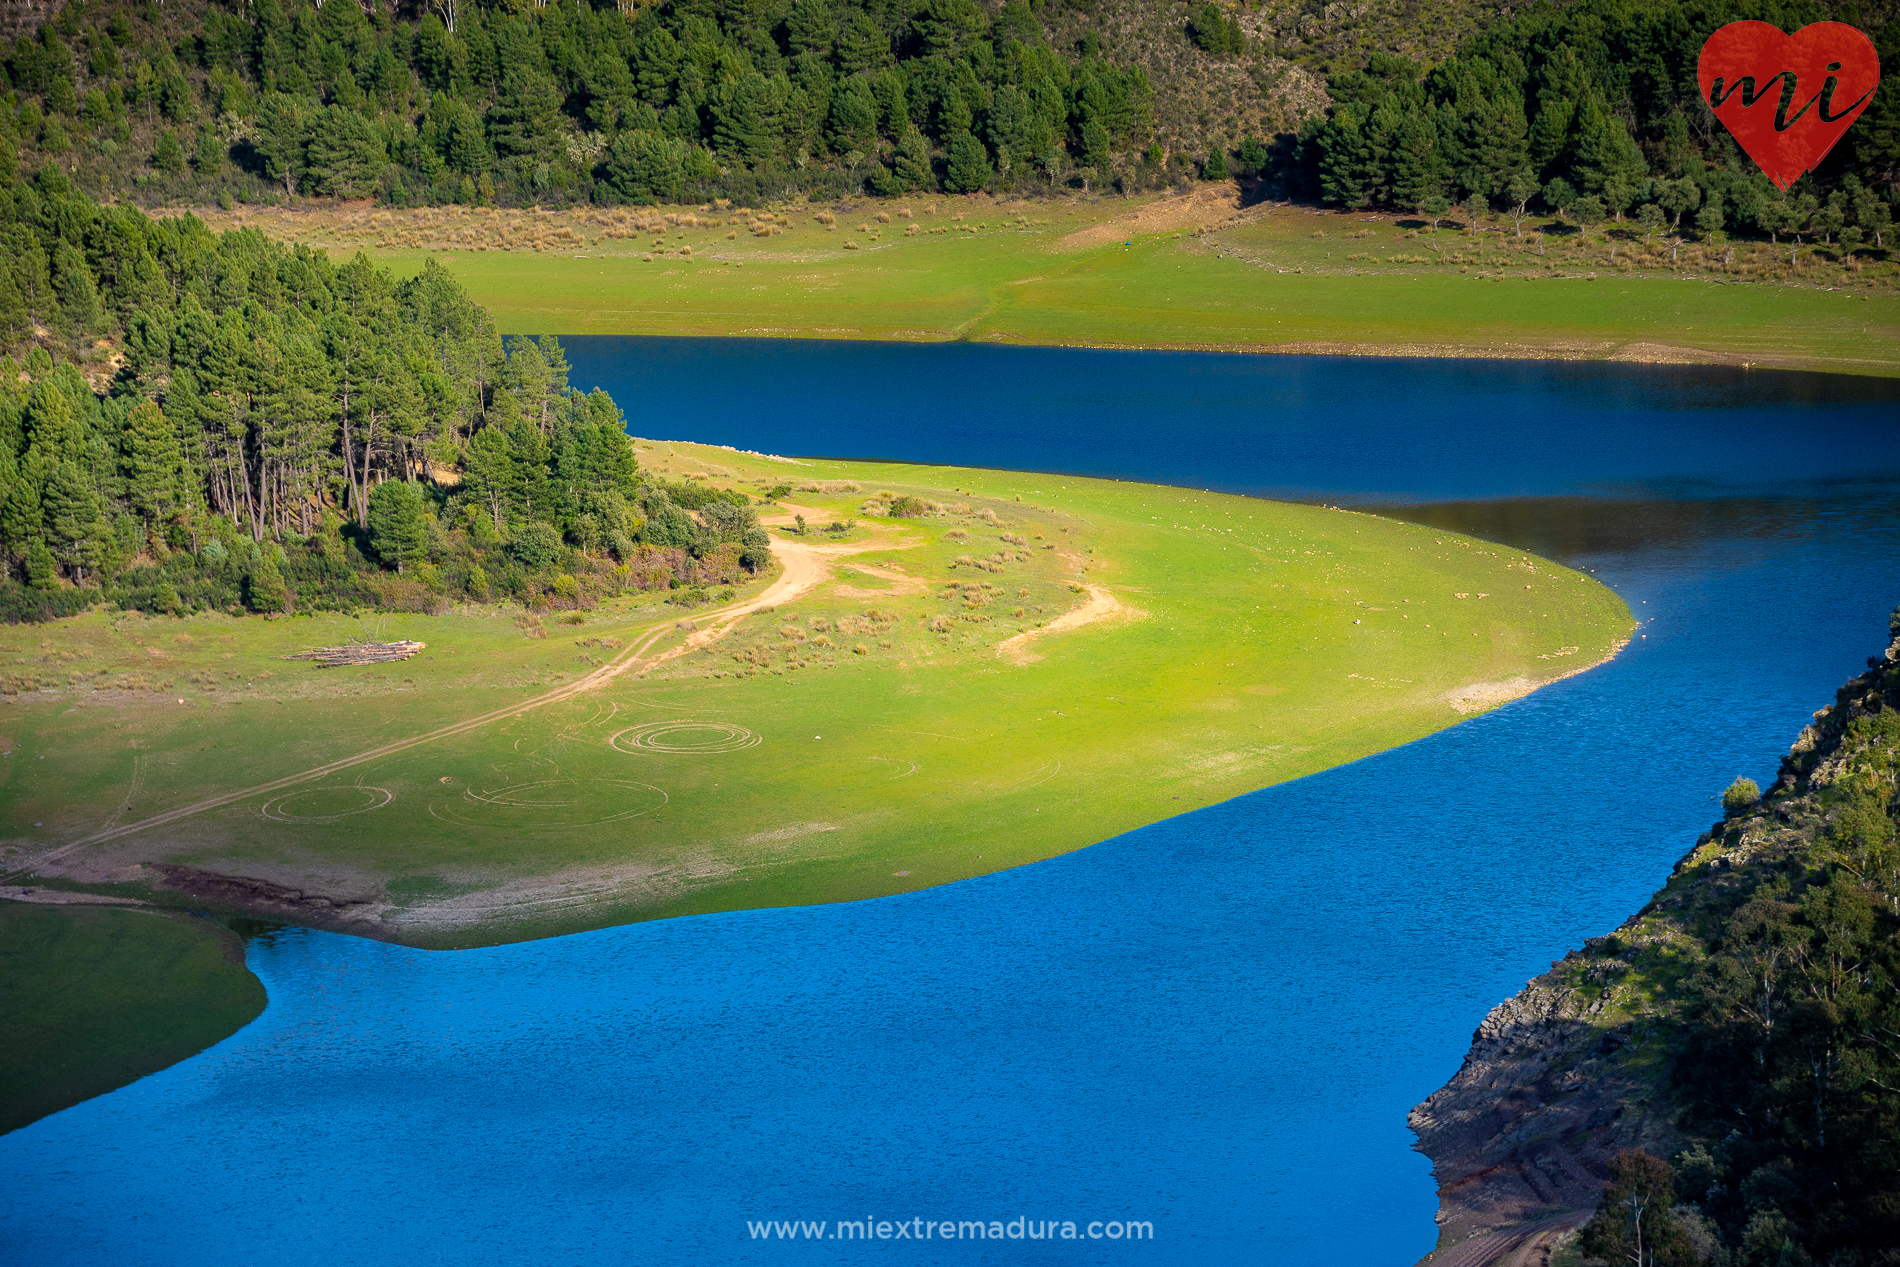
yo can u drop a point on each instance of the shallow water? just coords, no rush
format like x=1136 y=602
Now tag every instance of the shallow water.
x=1216 y=1023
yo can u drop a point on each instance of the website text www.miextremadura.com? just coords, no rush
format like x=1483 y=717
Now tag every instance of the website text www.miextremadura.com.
x=1016 y=1229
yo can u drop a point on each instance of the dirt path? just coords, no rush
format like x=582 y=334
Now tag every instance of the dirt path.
x=1209 y=204
x=60 y=897
x=805 y=568
x=1509 y=1247
x=900 y=584
x=1102 y=605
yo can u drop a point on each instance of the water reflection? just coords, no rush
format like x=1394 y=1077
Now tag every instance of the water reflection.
x=1574 y=528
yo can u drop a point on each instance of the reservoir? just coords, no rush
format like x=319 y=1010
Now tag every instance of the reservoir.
x=1215 y=1024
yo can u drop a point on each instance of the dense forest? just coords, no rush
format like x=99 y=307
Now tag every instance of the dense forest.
x=1592 y=110
x=568 y=101
x=1587 y=109
x=283 y=432
x=1773 y=966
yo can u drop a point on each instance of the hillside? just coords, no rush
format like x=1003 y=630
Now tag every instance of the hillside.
x=1741 y=1024
x=1589 y=110
x=192 y=93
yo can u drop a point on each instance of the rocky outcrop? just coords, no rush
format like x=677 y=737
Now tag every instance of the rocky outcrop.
x=1576 y=1066
x=1552 y=1088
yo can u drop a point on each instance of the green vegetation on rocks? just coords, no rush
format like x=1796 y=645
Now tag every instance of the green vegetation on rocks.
x=1742 y=1025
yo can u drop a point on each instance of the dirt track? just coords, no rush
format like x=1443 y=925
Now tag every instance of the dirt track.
x=1528 y=1246
x=1102 y=605
x=805 y=567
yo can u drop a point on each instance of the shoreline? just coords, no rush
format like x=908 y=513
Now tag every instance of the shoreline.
x=1169 y=273
x=1632 y=353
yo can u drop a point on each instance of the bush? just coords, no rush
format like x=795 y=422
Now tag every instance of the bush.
x=1215 y=32
x=264 y=588
x=20 y=604
x=1742 y=794
x=535 y=546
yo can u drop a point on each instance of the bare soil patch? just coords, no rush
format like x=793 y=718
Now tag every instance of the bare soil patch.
x=1207 y=204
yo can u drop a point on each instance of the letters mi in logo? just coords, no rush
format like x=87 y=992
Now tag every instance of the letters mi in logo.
x=1788 y=98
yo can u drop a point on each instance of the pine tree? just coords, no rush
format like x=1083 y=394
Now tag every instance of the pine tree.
x=168 y=155
x=149 y=461
x=969 y=166
x=524 y=121
x=343 y=155
x=22 y=524
x=397 y=527
x=1417 y=170
x=1606 y=155
x=746 y=120
x=264 y=587
x=912 y=164
x=42 y=569
x=72 y=510
x=811 y=29
x=1095 y=151
x=79 y=307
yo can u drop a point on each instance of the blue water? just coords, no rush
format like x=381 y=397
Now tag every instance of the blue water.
x=1296 y=426
x=1215 y=1024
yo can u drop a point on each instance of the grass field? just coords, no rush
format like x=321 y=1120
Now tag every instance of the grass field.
x=94 y=997
x=932 y=705
x=1192 y=272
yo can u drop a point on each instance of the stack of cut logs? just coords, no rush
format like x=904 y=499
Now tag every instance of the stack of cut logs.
x=359 y=653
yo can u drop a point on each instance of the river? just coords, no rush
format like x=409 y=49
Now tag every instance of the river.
x=1214 y=1025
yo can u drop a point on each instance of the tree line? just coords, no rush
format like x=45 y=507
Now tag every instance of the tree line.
x=284 y=430
x=474 y=102
x=1593 y=111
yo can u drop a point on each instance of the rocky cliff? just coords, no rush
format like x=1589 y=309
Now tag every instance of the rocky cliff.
x=1589 y=1058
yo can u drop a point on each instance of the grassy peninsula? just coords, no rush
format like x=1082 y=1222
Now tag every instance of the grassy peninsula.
x=1029 y=665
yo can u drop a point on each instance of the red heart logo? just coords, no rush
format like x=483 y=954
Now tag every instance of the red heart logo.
x=1788 y=98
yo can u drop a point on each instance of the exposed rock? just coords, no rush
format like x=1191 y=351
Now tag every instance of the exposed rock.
x=266 y=899
x=1574 y=1067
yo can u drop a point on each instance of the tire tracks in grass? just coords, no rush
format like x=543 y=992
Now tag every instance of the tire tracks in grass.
x=805 y=568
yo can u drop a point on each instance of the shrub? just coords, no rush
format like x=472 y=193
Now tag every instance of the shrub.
x=1215 y=32
x=535 y=545
x=1742 y=794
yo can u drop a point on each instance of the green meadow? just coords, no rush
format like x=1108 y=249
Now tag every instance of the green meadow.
x=934 y=708
x=1287 y=279
x=93 y=997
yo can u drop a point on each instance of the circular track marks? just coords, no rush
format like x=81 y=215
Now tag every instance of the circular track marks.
x=684 y=737
x=552 y=804
x=325 y=804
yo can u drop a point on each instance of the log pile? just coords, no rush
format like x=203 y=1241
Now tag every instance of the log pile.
x=358 y=653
